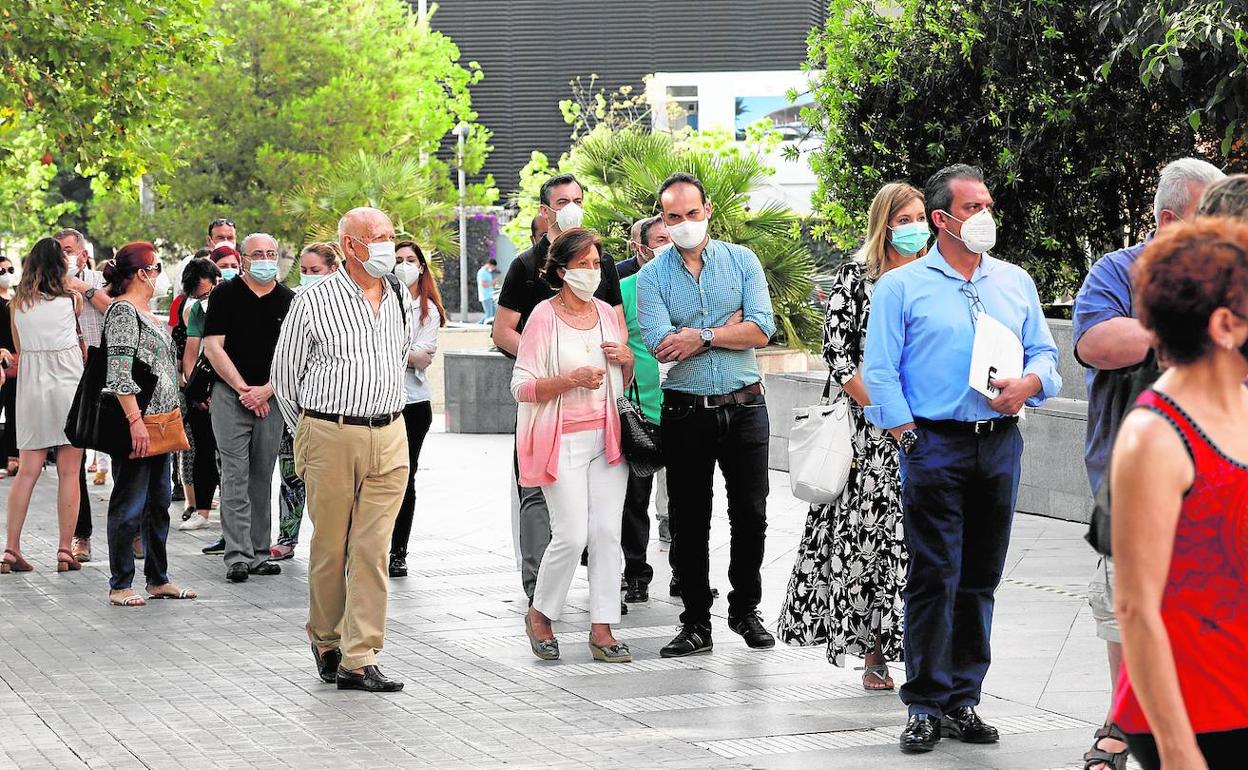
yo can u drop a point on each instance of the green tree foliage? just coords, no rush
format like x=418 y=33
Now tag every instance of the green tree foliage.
x=1070 y=150
x=94 y=77
x=1197 y=47
x=622 y=169
x=302 y=87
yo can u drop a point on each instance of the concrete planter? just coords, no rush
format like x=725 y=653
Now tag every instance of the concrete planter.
x=478 y=392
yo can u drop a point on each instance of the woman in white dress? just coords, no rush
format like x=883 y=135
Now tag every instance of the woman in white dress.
x=45 y=333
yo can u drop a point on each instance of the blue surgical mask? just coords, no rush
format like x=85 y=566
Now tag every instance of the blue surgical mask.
x=910 y=238
x=229 y=273
x=307 y=279
x=263 y=270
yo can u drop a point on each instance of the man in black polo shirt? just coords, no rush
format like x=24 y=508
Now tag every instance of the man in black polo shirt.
x=562 y=198
x=240 y=334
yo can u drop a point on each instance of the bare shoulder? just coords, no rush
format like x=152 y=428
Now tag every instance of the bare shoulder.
x=1150 y=449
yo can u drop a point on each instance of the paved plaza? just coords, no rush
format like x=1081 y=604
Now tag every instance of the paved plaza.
x=228 y=681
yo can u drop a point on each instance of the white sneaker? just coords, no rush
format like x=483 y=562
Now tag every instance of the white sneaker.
x=197 y=521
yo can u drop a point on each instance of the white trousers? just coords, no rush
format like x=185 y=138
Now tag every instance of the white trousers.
x=586 y=504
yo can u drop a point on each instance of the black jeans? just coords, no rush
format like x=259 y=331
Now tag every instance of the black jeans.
x=416 y=419
x=85 y=527
x=957 y=495
x=695 y=438
x=206 y=472
x=635 y=534
x=142 y=489
x=1222 y=751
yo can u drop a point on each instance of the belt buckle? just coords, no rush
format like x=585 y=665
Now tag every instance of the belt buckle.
x=983 y=426
x=706 y=402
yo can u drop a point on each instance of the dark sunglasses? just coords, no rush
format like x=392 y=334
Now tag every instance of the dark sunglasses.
x=153 y=268
x=219 y=222
x=10 y=269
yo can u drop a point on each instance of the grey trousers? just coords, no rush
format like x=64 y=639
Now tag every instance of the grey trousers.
x=248 y=448
x=534 y=535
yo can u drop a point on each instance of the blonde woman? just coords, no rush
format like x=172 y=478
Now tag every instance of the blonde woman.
x=846 y=586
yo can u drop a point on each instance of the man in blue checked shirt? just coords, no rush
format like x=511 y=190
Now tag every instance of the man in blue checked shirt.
x=961 y=452
x=688 y=298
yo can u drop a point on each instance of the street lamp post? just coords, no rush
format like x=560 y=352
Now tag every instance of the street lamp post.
x=461 y=132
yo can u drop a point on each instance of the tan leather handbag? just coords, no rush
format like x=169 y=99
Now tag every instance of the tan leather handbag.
x=165 y=433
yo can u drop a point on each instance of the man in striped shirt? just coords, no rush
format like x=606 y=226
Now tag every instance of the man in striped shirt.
x=338 y=377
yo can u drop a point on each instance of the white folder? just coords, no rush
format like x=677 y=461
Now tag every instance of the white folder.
x=996 y=355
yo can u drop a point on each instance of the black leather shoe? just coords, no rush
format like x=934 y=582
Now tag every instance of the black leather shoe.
x=237 y=573
x=266 y=568
x=922 y=733
x=751 y=629
x=372 y=680
x=398 y=565
x=327 y=663
x=692 y=640
x=965 y=725
x=637 y=591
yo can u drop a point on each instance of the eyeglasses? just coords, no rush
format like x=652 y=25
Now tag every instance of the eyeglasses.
x=263 y=255
x=152 y=268
x=972 y=297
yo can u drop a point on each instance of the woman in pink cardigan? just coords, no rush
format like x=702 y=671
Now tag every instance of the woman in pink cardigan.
x=572 y=364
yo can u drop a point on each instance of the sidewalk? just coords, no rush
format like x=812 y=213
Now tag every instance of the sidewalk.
x=228 y=680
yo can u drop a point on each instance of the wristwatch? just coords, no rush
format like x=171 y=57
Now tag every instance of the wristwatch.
x=89 y=293
x=908 y=439
x=707 y=336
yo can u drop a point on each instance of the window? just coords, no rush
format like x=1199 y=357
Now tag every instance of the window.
x=682 y=107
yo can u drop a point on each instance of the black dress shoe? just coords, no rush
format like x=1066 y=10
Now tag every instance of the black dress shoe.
x=327 y=663
x=266 y=568
x=237 y=573
x=922 y=733
x=692 y=640
x=398 y=565
x=752 y=630
x=372 y=680
x=636 y=591
x=216 y=549
x=965 y=725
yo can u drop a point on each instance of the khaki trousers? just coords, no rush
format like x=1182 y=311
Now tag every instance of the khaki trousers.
x=355 y=478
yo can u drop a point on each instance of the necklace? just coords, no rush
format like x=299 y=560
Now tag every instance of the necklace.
x=585 y=340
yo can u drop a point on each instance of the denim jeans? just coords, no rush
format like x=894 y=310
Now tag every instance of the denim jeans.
x=957 y=497
x=142 y=491
x=695 y=438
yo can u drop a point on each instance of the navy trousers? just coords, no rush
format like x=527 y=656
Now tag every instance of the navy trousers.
x=958 y=495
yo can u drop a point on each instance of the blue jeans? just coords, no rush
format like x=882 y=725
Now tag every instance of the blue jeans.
x=490 y=307
x=957 y=495
x=142 y=489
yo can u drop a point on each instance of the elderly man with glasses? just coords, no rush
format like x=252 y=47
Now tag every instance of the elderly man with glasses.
x=961 y=451
x=240 y=334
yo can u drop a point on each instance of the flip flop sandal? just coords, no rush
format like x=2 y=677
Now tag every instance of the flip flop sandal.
x=131 y=600
x=1095 y=755
x=182 y=593
x=880 y=672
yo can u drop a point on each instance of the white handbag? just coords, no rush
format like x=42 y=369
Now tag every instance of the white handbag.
x=821 y=449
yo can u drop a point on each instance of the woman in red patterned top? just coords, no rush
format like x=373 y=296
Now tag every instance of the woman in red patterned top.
x=1179 y=486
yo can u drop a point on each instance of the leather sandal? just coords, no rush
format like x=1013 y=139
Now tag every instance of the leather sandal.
x=12 y=561
x=1097 y=755
x=65 y=561
x=125 y=598
x=546 y=649
x=880 y=674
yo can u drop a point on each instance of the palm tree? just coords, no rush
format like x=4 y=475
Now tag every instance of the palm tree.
x=624 y=168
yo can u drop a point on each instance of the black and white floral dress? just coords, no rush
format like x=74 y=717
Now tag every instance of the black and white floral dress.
x=851 y=564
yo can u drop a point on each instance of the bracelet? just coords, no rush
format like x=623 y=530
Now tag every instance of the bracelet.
x=133 y=418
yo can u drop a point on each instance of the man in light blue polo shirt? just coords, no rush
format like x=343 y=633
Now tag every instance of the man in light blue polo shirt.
x=961 y=451
x=713 y=406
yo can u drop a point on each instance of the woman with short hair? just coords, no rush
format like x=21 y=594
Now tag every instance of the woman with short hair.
x=1178 y=483
x=199 y=463
x=45 y=336
x=572 y=364
x=847 y=581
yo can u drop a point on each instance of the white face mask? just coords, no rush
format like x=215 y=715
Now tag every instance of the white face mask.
x=569 y=217
x=380 y=258
x=72 y=271
x=583 y=282
x=407 y=272
x=162 y=285
x=979 y=231
x=6 y=280
x=688 y=234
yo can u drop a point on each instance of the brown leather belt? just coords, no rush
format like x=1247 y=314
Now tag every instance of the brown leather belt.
x=735 y=398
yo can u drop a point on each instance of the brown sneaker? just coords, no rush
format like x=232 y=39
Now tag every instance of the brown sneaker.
x=82 y=549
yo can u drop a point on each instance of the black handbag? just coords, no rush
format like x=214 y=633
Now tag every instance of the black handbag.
x=96 y=419
x=198 y=386
x=639 y=438
x=1128 y=384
